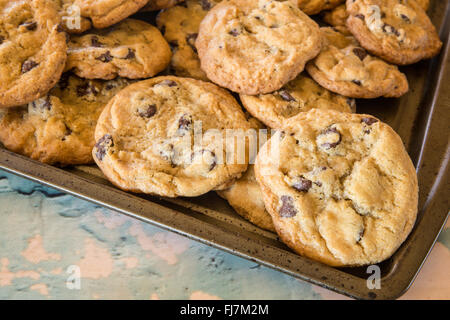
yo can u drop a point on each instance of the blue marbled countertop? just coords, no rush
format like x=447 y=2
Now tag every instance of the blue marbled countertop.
x=48 y=238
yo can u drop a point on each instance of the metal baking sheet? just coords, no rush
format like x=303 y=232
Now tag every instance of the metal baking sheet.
x=421 y=118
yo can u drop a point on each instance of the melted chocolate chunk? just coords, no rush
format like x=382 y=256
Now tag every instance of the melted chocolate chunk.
x=234 y=32
x=330 y=131
x=149 y=112
x=106 y=57
x=185 y=122
x=387 y=28
x=190 y=39
x=360 y=53
x=173 y=45
x=102 y=146
x=369 y=121
x=286 y=96
x=28 y=65
x=95 y=42
x=130 y=54
x=31 y=26
x=357 y=82
x=287 y=209
x=302 y=184
x=85 y=89
x=212 y=160
x=206 y=5
x=60 y=28
x=406 y=18
x=360 y=16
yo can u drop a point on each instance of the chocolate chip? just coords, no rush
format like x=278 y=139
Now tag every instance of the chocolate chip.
x=106 y=57
x=95 y=42
x=360 y=234
x=85 y=89
x=360 y=16
x=287 y=209
x=286 y=96
x=149 y=112
x=302 y=184
x=31 y=26
x=173 y=45
x=330 y=132
x=360 y=53
x=130 y=54
x=185 y=122
x=357 y=82
x=60 y=28
x=387 y=28
x=2 y=39
x=102 y=146
x=404 y=17
x=169 y=83
x=234 y=32
x=369 y=121
x=46 y=104
x=63 y=82
x=190 y=39
x=206 y=5
x=28 y=65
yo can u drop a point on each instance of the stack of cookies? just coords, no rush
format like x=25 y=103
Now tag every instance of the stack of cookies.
x=155 y=106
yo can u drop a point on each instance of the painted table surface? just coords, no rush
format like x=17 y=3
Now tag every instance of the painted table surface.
x=45 y=233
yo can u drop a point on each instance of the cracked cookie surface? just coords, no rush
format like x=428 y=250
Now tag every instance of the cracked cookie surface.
x=105 y=13
x=180 y=26
x=160 y=154
x=59 y=128
x=343 y=190
x=299 y=95
x=398 y=31
x=32 y=50
x=344 y=67
x=131 y=49
x=254 y=47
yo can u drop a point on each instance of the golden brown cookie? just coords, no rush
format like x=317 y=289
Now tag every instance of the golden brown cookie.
x=32 y=50
x=176 y=145
x=132 y=49
x=59 y=128
x=399 y=32
x=311 y=7
x=180 y=26
x=341 y=189
x=256 y=47
x=299 y=95
x=346 y=68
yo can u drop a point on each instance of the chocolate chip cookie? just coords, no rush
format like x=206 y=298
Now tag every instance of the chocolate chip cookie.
x=32 y=50
x=132 y=49
x=336 y=17
x=311 y=7
x=399 y=32
x=299 y=95
x=59 y=127
x=255 y=47
x=344 y=67
x=105 y=13
x=179 y=26
x=176 y=145
x=342 y=189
